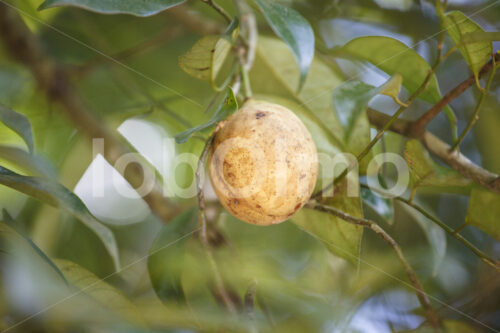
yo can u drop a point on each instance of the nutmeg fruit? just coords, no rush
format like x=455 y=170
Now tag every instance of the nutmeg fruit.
x=263 y=163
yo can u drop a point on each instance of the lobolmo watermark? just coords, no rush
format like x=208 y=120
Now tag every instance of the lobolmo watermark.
x=329 y=166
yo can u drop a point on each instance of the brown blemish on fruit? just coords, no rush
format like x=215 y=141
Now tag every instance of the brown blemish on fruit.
x=260 y=114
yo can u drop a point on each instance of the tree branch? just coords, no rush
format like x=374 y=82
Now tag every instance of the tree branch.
x=422 y=296
x=440 y=149
x=419 y=126
x=22 y=45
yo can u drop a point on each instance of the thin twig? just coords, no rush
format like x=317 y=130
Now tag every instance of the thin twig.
x=460 y=228
x=421 y=123
x=422 y=296
x=475 y=115
x=219 y=283
x=219 y=9
x=249 y=303
x=454 y=233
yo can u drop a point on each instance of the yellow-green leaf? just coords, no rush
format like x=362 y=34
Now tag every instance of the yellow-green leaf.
x=425 y=172
x=339 y=237
x=87 y=283
x=19 y=123
x=206 y=58
x=458 y=26
x=57 y=195
x=483 y=212
x=481 y=36
x=392 y=56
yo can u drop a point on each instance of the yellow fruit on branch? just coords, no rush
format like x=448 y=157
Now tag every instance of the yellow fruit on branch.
x=263 y=163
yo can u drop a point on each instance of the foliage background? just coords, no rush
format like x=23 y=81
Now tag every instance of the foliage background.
x=298 y=282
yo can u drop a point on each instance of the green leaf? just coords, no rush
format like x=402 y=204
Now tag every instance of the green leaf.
x=87 y=283
x=29 y=162
x=351 y=100
x=132 y=7
x=197 y=62
x=480 y=36
x=57 y=195
x=165 y=259
x=476 y=54
x=341 y=238
x=24 y=263
x=10 y=223
x=393 y=57
x=425 y=172
x=224 y=105
x=294 y=30
x=19 y=124
x=483 y=212
x=275 y=73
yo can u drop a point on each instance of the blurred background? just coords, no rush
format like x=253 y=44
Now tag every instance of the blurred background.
x=297 y=282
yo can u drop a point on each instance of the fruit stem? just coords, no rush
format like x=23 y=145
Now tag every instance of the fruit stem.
x=246 y=83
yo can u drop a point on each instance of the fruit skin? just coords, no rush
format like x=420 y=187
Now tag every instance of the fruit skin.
x=263 y=163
